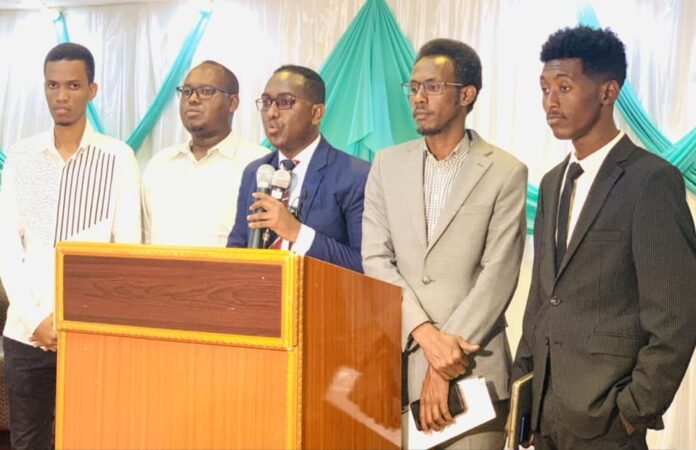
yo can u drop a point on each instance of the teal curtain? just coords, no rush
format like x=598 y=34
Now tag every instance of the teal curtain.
x=175 y=76
x=365 y=107
x=61 y=28
x=166 y=91
x=681 y=154
x=2 y=164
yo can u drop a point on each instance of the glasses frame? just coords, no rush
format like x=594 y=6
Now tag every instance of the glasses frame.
x=196 y=90
x=408 y=91
x=261 y=100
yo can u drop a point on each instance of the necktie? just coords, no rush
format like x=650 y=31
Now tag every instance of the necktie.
x=289 y=165
x=574 y=171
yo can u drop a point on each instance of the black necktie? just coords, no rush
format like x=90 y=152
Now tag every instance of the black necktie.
x=574 y=171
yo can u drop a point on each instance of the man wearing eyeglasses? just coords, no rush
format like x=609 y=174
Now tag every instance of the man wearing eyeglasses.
x=327 y=185
x=189 y=190
x=445 y=220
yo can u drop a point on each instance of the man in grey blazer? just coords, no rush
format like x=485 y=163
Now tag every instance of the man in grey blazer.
x=445 y=219
x=610 y=323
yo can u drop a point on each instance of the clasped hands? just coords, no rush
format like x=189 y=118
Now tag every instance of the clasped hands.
x=448 y=358
x=45 y=337
x=275 y=216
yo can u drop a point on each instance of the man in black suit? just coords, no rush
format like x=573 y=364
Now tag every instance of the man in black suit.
x=609 y=326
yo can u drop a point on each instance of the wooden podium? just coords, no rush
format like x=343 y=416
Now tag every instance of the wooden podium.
x=174 y=347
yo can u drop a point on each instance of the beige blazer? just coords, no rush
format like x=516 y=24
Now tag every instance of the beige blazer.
x=463 y=279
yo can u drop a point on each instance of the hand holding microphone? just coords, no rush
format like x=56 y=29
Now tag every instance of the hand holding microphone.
x=264 y=178
x=272 y=213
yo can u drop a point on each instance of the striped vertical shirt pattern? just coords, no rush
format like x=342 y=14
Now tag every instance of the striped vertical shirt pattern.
x=438 y=177
x=94 y=196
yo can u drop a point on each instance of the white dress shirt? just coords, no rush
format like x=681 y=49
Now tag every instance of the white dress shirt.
x=91 y=197
x=306 y=235
x=190 y=202
x=590 y=166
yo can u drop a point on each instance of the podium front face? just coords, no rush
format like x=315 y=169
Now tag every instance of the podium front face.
x=173 y=347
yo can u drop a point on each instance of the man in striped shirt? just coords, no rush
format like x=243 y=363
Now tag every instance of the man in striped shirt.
x=68 y=184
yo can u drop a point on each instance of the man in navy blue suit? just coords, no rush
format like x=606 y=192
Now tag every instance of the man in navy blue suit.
x=327 y=186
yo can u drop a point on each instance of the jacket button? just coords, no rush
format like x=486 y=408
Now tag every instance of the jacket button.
x=426 y=280
x=555 y=301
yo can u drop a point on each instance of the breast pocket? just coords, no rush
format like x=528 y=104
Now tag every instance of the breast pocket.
x=604 y=235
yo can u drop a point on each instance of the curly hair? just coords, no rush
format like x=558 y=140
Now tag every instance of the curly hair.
x=601 y=52
x=467 y=64
x=69 y=51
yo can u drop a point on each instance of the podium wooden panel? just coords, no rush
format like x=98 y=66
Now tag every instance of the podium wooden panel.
x=173 y=347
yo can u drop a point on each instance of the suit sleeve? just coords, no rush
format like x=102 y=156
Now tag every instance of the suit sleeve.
x=379 y=259
x=500 y=264
x=664 y=255
x=239 y=236
x=329 y=249
x=13 y=271
x=524 y=357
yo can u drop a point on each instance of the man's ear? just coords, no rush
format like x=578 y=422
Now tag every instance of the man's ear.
x=234 y=103
x=467 y=95
x=93 y=88
x=318 y=112
x=610 y=92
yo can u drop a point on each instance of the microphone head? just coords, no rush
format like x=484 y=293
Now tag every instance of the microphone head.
x=264 y=176
x=281 y=179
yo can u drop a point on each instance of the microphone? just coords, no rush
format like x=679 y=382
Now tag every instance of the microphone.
x=264 y=176
x=279 y=184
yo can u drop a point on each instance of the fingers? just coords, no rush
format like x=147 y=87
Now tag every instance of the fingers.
x=466 y=347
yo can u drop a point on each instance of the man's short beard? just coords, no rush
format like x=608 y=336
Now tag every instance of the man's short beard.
x=431 y=132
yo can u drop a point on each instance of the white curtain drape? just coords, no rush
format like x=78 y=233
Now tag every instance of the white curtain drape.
x=135 y=44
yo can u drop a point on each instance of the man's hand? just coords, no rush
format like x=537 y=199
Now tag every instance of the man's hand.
x=275 y=216
x=45 y=336
x=446 y=353
x=434 y=412
x=630 y=429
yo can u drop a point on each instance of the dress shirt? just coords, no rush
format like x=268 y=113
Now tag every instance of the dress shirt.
x=306 y=235
x=438 y=177
x=193 y=202
x=92 y=197
x=590 y=166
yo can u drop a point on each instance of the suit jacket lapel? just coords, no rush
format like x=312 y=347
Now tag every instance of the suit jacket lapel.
x=473 y=168
x=313 y=178
x=608 y=174
x=412 y=175
x=552 y=194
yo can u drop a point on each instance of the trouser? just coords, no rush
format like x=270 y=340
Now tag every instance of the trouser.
x=555 y=435
x=30 y=378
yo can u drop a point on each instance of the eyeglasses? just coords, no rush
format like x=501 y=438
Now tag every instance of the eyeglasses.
x=283 y=101
x=204 y=92
x=430 y=87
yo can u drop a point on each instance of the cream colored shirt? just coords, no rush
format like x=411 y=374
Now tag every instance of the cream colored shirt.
x=193 y=203
x=91 y=197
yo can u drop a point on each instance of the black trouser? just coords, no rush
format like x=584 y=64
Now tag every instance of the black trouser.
x=554 y=435
x=30 y=378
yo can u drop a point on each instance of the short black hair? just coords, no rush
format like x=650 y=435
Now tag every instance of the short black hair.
x=467 y=64
x=313 y=85
x=601 y=52
x=231 y=82
x=69 y=51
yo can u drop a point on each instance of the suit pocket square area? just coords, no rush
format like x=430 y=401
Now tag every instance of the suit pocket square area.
x=614 y=345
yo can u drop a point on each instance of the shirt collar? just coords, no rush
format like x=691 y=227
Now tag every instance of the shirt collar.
x=226 y=147
x=49 y=142
x=305 y=155
x=463 y=147
x=592 y=163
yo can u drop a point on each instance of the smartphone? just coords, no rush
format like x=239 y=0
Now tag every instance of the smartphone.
x=455 y=403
